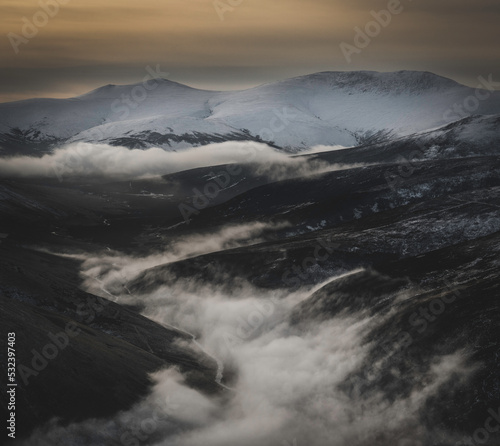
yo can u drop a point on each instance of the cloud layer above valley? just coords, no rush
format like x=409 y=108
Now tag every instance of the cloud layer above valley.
x=105 y=161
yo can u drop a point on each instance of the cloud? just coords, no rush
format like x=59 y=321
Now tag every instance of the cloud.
x=104 y=161
x=113 y=269
x=287 y=385
x=323 y=148
x=287 y=389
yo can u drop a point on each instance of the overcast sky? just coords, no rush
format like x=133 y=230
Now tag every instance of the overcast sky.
x=207 y=44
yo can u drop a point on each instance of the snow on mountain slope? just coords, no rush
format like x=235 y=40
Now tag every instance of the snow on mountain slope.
x=329 y=108
x=63 y=118
x=469 y=137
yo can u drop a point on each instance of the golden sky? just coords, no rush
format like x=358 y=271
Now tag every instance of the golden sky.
x=84 y=44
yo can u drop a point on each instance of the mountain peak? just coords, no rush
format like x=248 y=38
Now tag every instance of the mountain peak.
x=396 y=82
x=112 y=90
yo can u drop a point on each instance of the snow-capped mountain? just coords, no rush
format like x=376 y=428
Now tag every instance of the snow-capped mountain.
x=329 y=108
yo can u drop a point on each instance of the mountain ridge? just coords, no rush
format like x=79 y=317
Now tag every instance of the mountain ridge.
x=318 y=75
x=326 y=108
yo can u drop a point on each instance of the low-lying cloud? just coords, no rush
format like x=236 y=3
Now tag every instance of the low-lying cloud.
x=104 y=161
x=322 y=148
x=110 y=270
x=288 y=386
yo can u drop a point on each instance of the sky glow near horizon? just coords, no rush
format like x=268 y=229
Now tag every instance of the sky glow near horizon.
x=89 y=43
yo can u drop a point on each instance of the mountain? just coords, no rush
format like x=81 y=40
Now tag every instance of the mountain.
x=344 y=297
x=329 y=108
x=465 y=138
